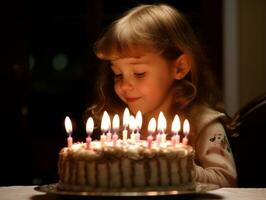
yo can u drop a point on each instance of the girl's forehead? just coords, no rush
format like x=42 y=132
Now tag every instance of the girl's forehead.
x=128 y=60
x=139 y=55
x=132 y=51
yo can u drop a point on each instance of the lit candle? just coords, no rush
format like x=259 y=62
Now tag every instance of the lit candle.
x=138 y=125
x=89 y=130
x=104 y=127
x=116 y=123
x=162 y=127
x=68 y=127
x=125 y=124
x=158 y=139
x=151 y=130
x=132 y=126
x=176 y=126
x=108 y=121
x=186 y=130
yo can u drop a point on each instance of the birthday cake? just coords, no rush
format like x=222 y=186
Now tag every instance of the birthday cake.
x=125 y=165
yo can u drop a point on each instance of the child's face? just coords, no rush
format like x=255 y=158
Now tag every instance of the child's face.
x=144 y=83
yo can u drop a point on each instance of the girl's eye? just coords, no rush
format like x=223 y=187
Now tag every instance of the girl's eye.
x=117 y=76
x=140 y=75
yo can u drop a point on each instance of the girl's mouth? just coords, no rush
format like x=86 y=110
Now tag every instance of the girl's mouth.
x=132 y=99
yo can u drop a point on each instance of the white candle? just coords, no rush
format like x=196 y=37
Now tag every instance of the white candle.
x=186 y=129
x=116 y=124
x=151 y=130
x=176 y=126
x=108 y=134
x=158 y=139
x=125 y=124
x=149 y=141
x=161 y=129
x=124 y=135
x=132 y=125
x=103 y=139
x=89 y=130
x=68 y=127
x=139 y=125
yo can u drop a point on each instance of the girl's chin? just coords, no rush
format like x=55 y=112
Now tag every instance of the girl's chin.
x=134 y=110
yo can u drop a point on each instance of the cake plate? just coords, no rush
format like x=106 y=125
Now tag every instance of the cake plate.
x=164 y=191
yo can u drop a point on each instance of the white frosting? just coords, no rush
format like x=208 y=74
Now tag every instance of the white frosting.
x=135 y=151
x=126 y=165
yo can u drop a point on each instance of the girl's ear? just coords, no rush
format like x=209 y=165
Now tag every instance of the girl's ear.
x=182 y=66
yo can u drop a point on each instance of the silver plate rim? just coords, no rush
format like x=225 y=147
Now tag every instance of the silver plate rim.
x=200 y=188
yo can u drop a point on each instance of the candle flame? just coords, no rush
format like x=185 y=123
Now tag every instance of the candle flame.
x=132 y=122
x=176 y=126
x=126 y=117
x=139 y=120
x=186 y=127
x=68 y=125
x=89 y=125
x=152 y=125
x=106 y=122
x=116 y=122
x=161 y=122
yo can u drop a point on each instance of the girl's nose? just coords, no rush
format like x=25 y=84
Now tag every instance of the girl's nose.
x=126 y=84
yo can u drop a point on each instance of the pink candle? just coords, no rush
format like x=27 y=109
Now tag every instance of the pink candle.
x=186 y=129
x=176 y=126
x=68 y=127
x=149 y=141
x=158 y=139
x=89 y=130
x=151 y=130
x=109 y=136
x=69 y=141
x=161 y=129
x=138 y=125
x=88 y=142
x=137 y=136
x=126 y=116
x=173 y=140
x=116 y=124
x=105 y=126
x=185 y=141
x=115 y=137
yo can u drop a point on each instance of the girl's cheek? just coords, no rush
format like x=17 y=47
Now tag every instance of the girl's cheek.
x=117 y=90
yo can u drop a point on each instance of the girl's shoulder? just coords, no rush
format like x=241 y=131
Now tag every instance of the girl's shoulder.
x=201 y=116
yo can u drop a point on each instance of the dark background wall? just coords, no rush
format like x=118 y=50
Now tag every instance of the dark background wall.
x=48 y=71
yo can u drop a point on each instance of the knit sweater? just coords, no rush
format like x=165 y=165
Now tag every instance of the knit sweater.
x=214 y=160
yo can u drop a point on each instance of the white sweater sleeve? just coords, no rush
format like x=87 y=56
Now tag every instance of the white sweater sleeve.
x=214 y=160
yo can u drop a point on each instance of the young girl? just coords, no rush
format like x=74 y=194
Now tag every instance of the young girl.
x=155 y=63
